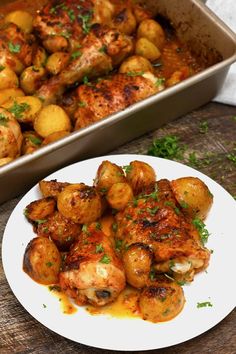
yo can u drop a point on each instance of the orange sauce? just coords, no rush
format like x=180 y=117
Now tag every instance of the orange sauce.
x=26 y=5
x=67 y=307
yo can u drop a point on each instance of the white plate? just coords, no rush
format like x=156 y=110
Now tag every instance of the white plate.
x=216 y=285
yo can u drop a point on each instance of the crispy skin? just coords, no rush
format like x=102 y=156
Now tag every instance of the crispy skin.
x=156 y=220
x=92 y=272
x=111 y=95
x=52 y=188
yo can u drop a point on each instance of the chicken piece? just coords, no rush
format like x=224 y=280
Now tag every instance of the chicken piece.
x=15 y=47
x=101 y=50
x=111 y=95
x=155 y=220
x=92 y=272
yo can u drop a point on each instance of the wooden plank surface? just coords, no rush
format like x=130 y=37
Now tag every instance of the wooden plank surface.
x=212 y=146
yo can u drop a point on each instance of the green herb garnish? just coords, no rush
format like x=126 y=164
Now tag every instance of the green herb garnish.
x=204 y=304
x=105 y=259
x=14 y=48
x=3 y=120
x=18 y=109
x=167 y=147
x=201 y=227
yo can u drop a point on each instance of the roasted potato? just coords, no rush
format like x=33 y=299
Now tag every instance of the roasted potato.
x=139 y=175
x=10 y=60
x=161 y=302
x=125 y=21
x=147 y=49
x=24 y=109
x=23 y=19
x=55 y=44
x=51 y=119
x=52 y=188
x=40 y=57
x=8 y=79
x=31 y=79
x=56 y=62
x=31 y=142
x=7 y=94
x=135 y=64
x=38 y=210
x=151 y=30
x=119 y=195
x=193 y=195
x=55 y=136
x=11 y=135
x=42 y=261
x=80 y=203
x=137 y=260
x=108 y=173
x=59 y=229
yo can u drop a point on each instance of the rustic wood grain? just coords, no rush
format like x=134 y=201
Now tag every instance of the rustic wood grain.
x=21 y=333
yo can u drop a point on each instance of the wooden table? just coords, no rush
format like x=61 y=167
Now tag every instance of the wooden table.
x=20 y=333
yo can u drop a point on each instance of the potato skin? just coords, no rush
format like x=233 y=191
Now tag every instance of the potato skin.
x=8 y=79
x=80 y=203
x=40 y=209
x=151 y=30
x=23 y=19
x=10 y=135
x=52 y=188
x=31 y=79
x=147 y=49
x=140 y=175
x=29 y=105
x=51 y=119
x=119 y=195
x=135 y=63
x=55 y=136
x=108 y=173
x=193 y=195
x=56 y=62
x=137 y=260
x=161 y=302
x=7 y=94
x=42 y=261
x=40 y=57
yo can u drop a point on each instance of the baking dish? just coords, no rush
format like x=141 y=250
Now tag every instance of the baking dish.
x=207 y=36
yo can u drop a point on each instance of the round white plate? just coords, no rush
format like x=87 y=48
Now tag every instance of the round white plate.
x=216 y=285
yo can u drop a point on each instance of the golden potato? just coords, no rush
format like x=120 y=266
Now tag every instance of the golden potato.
x=125 y=21
x=40 y=57
x=31 y=79
x=135 y=64
x=23 y=19
x=137 y=260
x=119 y=195
x=108 y=173
x=55 y=136
x=7 y=94
x=52 y=188
x=8 y=79
x=38 y=210
x=55 y=44
x=5 y=160
x=59 y=229
x=31 y=142
x=193 y=196
x=161 y=302
x=80 y=203
x=51 y=119
x=147 y=49
x=151 y=30
x=24 y=109
x=11 y=135
x=10 y=60
x=42 y=261
x=139 y=175
x=57 y=62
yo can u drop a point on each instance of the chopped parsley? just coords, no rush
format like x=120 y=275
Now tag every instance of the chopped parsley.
x=14 y=48
x=49 y=264
x=99 y=248
x=160 y=81
x=201 y=227
x=3 y=120
x=18 y=109
x=41 y=221
x=204 y=304
x=232 y=157
x=82 y=104
x=103 y=49
x=203 y=127
x=2 y=67
x=135 y=73
x=127 y=168
x=35 y=140
x=167 y=147
x=105 y=259
x=85 y=22
x=76 y=55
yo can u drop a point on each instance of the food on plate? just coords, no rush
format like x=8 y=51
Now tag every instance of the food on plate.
x=126 y=231
x=24 y=109
x=90 y=59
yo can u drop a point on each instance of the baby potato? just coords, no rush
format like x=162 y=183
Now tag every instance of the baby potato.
x=55 y=44
x=51 y=119
x=140 y=175
x=80 y=203
x=151 y=30
x=7 y=94
x=24 y=109
x=193 y=196
x=38 y=210
x=108 y=173
x=40 y=57
x=5 y=160
x=23 y=19
x=31 y=79
x=161 y=302
x=31 y=142
x=137 y=260
x=125 y=21
x=52 y=188
x=135 y=63
x=8 y=79
x=119 y=195
x=56 y=62
x=59 y=229
x=147 y=49
x=42 y=261
x=55 y=136
x=11 y=135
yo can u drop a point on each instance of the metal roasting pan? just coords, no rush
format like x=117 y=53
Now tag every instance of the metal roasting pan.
x=208 y=37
